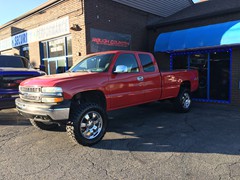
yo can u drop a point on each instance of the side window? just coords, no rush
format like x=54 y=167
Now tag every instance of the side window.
x=147 y=63
x=128 y=60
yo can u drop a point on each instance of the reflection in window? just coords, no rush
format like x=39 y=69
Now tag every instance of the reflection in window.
x=147 y=63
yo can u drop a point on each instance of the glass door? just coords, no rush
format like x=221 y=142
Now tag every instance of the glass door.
x=52 y=67
x=55 y=66
x=200 y=62
x=57 y=55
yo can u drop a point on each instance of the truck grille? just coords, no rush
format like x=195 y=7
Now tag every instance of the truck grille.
x=30 y=93
x=30 y=89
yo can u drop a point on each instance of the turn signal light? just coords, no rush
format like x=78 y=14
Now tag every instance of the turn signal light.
x=52 y=100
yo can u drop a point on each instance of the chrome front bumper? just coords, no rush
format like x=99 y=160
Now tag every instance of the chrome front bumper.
x=43 y=111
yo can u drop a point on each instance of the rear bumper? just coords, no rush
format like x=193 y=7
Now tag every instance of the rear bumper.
x=42 y=111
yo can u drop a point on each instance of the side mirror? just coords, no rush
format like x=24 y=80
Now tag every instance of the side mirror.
x=42 y=67
x=121 y=69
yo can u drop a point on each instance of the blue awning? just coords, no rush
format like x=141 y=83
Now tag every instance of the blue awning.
x=206 y=36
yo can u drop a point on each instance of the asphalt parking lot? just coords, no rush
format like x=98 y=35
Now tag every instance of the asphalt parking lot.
x=149 y=142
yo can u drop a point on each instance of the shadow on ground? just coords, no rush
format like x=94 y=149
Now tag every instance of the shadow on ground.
x=208 y=128
x=156 y=127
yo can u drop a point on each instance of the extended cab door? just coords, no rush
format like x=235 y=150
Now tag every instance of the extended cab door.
x=151 y=77
x=125 y=82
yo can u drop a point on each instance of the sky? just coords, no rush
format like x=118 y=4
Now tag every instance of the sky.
x=11 y=9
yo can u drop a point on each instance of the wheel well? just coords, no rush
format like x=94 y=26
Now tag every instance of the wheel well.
x=186 y=84
x=96 y=97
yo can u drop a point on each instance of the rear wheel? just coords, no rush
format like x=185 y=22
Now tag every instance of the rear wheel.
x=87 y=124
x=183 y=101
x=44 y=126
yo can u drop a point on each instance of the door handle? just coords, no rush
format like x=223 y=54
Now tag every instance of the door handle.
x=140 y=78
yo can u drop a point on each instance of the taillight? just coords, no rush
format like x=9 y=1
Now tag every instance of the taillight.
x=9 y=85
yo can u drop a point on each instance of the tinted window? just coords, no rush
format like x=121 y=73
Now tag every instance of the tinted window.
x=147 y=63
x=128 y=60
x=12 y=61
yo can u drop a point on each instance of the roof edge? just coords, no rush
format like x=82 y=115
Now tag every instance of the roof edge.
x=158 y=25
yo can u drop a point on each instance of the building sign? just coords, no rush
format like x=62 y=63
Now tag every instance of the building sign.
x=53 y=29
x=105 y=41
x=19 y=39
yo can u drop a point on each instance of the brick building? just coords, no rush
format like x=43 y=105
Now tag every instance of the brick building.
x=57 y=33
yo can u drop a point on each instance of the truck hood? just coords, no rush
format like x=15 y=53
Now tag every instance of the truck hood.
x=58 y=79
x=22 y=71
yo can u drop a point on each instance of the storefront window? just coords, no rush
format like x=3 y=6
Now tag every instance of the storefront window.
x=219 y=75
x=57 y=55
x=180 y=62
x=57 y=48
x=200 y=62
x=214 y=73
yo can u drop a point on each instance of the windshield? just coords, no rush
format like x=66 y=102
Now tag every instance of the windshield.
x=95 y=63
x=13 y=62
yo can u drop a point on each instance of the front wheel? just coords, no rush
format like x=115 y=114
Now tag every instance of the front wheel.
x=87 y=124
x=183 y=101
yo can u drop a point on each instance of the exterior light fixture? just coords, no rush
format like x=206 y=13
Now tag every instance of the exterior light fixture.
x=75 y=27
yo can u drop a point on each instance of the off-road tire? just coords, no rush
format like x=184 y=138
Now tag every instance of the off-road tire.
x=78 y=115
x=44 y=126
x=183 y=101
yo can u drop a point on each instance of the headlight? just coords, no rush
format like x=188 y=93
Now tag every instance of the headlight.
x=52 y=90
x=52 y=94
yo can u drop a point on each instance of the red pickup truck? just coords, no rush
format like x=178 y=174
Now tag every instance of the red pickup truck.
x=101 y=82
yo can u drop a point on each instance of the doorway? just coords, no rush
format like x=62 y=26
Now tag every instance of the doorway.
x=56 y=55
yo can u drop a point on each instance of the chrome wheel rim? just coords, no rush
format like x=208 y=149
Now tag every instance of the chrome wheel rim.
x=186 y=100
x=91 y=125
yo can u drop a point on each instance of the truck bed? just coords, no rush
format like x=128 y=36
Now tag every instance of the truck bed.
x=171 y=81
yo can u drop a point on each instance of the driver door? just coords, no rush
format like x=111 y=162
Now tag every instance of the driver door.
x=125 y=87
